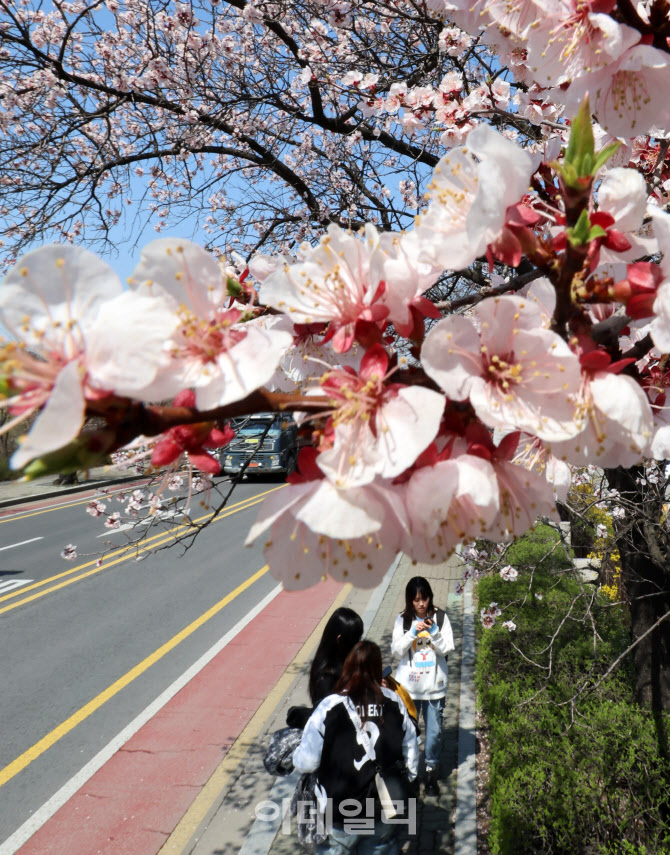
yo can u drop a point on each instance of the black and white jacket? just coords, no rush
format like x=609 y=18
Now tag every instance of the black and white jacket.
x=332 y=747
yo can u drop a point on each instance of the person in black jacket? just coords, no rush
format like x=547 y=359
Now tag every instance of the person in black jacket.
x=361 y=729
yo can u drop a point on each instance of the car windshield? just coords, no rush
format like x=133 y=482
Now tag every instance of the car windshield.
x=257 y=430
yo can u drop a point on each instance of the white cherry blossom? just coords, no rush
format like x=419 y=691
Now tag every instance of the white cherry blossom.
x=211 y=351
x=617 y=423
x=471 y=189
x=447 y=503
x=525 y=495
x=660 y=325
x=378 y=428
x=567 y=40
x=514 y=372
x=623 y=91
x=330 y=283
x=316 y=529
x=78 y=337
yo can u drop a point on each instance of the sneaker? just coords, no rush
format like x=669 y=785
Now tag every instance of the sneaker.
x=432 y=787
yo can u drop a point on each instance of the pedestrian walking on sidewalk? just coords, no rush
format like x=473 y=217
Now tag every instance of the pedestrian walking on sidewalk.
x=352 y=735
x=422 y=638
x=342 y=632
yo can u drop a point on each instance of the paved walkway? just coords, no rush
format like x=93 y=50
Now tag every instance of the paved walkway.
x=17 y=492
x=230 y=825
x=218 y=807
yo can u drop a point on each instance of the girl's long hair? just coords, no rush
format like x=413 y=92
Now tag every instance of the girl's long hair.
x=418 y=585
x=361 y=678
x=343 y=630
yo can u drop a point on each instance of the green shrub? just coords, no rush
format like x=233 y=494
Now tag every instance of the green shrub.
x=568 y=774
x=541 y=547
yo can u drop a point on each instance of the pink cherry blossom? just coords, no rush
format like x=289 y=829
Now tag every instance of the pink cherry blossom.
x=509 y=573
x=487 y=619
x=615 y=414
x=331 y=283
x=317 y=529
x=69 y=553
x=95 y=508
x=624 y=92
x=515 y=373
x=448 y=502
x=213 y=350
x=79 y=337
x=524 y=493
x=568 y=39
x=405 y=280
x=660 y=326
x=471 y=190
x=623 y=194
x=378 y=428
x=301 y=364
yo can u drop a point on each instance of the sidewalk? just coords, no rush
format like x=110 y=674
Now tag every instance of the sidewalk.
x=19 y=492
x=230 y=826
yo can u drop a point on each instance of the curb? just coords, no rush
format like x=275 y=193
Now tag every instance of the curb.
x=65 y=491
x=465 y=822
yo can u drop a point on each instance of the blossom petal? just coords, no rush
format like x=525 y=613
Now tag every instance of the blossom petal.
x=53 y=292
x=125 y=346
x=449 y=356
x=59 y=422
x=248 y=365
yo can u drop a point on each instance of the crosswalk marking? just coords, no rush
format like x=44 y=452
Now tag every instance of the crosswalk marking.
x=13 y=583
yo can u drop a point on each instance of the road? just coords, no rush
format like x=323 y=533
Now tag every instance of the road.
x=87 y=648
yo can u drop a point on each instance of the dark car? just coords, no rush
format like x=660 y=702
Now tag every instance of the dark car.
x=267 y=440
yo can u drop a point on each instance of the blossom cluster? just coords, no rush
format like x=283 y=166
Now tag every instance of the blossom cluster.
x=429 y=431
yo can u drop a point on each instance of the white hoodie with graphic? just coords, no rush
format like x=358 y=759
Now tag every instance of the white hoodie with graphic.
x=423 y=665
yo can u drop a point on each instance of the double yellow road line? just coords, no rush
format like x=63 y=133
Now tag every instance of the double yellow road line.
x=118 y=556
x=69 y=724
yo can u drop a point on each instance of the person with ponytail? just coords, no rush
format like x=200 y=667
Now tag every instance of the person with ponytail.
x=361 y=729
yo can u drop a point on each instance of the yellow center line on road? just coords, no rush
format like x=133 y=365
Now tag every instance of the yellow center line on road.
x=126 y=553
x=76 y=718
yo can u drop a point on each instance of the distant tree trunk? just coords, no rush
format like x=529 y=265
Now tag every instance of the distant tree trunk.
x=645 y=569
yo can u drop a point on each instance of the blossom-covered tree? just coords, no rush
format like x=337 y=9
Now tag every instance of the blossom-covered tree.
x=438 y=230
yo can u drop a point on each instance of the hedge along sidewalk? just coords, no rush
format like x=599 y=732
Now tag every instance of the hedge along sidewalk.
x=435 y=832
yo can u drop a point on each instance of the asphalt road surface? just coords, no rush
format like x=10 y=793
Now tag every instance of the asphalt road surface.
x=86 y=648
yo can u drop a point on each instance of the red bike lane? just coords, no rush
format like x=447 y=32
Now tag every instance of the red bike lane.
x=133 y=803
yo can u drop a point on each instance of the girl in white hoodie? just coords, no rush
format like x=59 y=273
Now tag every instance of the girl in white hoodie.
x=422 y=638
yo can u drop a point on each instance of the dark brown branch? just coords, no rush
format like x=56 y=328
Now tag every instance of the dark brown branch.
x=472 y=299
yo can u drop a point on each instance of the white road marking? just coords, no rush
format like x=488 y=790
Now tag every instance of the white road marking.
x=22 y=543
x=157 y=517
x=10 y=584
x=49 y=808
x=124 y=527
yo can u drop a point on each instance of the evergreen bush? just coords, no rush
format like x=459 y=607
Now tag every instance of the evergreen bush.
x=570 y=772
